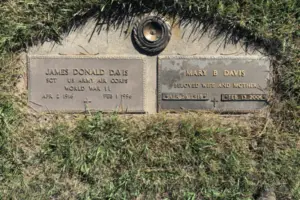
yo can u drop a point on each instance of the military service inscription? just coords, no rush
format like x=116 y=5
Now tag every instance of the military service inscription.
x=75 y=84
x=221 y=83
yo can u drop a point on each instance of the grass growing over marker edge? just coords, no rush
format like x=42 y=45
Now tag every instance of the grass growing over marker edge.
x=164 y=157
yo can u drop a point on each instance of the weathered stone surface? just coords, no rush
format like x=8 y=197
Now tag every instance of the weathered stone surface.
x=81 y=83
x=221 y=83
x=107 y=41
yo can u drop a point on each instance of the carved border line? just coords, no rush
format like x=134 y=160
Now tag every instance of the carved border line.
x=159 y=85
x=100 y=57
x=145 y=87
x=54 y=56
x=215 y=57
x=219 y=111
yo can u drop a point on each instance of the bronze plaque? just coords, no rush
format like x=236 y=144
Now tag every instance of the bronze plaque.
x=219 y=83
x=86 y=83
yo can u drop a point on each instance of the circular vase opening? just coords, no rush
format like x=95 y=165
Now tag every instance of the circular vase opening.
x=151 y=35
x=152 y=31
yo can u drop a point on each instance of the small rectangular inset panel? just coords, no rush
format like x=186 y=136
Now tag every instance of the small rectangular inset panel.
x=84 y=83
x=184 y=97
x=219 y=83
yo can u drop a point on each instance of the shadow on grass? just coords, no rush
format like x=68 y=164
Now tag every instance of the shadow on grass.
x=123 y=16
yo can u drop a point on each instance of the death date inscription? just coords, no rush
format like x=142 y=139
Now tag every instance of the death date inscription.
x=81 y=84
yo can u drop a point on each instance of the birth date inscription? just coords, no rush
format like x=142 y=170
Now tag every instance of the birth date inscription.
x=75 y=84
x=221 y=83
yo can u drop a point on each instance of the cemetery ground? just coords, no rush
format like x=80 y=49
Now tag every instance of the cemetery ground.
x=196 y=155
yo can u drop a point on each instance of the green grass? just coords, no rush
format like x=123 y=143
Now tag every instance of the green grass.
x=171 y=157
x=261 y=21
x=192 y=156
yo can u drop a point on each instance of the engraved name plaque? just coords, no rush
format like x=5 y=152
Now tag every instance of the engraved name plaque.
x=221 y=83
x=86 y=83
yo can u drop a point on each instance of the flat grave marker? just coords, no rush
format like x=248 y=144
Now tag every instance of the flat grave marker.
x=86 y=83
x=219 y=83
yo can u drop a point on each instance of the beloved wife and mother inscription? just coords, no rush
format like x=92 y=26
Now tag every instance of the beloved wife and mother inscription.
x=75 y=84
x=220 y=83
